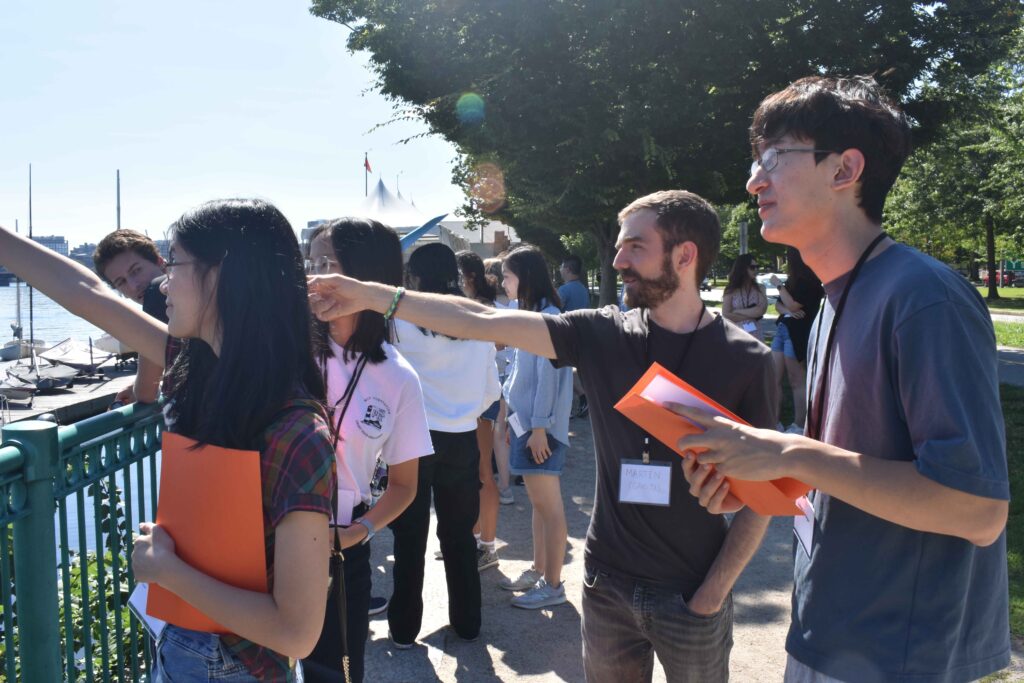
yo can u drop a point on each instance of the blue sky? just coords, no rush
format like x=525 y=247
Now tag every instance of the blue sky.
x=193 y=101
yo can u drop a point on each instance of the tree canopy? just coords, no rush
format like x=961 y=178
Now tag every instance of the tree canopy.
x=564 y=111
x=963 y=193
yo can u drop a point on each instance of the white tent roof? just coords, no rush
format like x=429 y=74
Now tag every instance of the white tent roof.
x=390 y=210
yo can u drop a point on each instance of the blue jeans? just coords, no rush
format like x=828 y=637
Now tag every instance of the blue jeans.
x=183 y=656
x=626 y=622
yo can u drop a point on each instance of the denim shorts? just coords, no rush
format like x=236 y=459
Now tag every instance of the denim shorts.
x=186 y=655
x=492 y=412
x=520 y=458
x=782 y=341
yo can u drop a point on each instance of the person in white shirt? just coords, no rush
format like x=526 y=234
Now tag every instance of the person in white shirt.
x=377 y=410
x=459 y=380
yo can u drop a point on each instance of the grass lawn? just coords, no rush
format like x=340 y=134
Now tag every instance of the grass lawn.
x=1009 y=334
x=1011 y=300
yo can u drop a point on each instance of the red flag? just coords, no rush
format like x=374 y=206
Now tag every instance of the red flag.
x=366 y=164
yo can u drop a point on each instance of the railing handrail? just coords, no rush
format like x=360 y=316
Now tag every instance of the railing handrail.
x=11 y=459
x=44 y=463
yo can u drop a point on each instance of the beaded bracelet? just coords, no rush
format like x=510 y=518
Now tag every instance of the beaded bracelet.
x=399 y=293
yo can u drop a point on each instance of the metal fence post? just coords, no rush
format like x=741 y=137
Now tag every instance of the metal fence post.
x=35 y=552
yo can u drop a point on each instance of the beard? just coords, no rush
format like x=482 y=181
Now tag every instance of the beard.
x=649 y=292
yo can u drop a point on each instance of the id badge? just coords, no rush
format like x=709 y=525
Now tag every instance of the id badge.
x=516 y=425
x=803 y=524
x=645 y=483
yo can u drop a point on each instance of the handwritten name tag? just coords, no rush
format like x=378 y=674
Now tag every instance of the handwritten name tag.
x=803 y=524
x=645 y=484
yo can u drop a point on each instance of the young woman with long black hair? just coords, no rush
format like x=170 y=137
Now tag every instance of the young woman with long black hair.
x=539 y=399
x=459 y=381
x=744 y=301
x=377 y=411
x=244 y=378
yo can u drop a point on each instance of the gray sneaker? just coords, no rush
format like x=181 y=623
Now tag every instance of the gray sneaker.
x=541 y=595
x=505 y=496
x=528 y=579
x=485 y=559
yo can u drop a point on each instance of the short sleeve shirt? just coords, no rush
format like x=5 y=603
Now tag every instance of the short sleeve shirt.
x=154 y=302
x=671 y=546
x=386 y=417
x=913 y=378
x=297 y=474
x=574 y=296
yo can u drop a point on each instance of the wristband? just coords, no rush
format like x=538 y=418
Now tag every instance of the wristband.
x=370 y=531
x=399 y=293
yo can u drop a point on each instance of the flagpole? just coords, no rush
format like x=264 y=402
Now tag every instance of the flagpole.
x=118 y=199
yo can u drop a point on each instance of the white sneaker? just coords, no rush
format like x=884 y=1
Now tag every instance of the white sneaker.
x=528 y=579
x=505 y=496
x=794 y=429
x=541 y=595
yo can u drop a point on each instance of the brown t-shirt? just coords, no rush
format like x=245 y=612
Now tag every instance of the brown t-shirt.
x=670 y=546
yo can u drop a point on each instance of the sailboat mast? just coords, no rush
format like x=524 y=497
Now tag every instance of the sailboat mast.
x=17 y=296
x=31 y=321
x=118 y=199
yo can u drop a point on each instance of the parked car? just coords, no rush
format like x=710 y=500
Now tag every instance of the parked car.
x=705 y=285
x=771 y=290
x=1006 y=278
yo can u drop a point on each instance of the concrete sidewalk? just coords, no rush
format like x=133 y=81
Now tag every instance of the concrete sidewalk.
x=544 y=645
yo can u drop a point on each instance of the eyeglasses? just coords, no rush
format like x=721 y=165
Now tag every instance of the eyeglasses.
x=318 y=266
x=770 y=158
x=170 y=264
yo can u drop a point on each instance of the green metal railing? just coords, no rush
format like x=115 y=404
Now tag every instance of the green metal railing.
x=62 y=599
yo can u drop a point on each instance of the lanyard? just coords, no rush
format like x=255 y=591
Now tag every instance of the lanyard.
x=676 y=371
x=815 y=419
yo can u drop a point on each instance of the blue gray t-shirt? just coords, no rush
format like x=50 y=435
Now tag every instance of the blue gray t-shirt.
x=574 y=296
x=913 y=377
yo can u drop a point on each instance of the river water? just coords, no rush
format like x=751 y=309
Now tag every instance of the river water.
x=54 y=324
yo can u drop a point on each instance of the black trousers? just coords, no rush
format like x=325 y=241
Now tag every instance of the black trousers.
x=357 y=604
x=451 y=475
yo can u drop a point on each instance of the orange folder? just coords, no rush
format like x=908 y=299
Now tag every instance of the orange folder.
x=211 y=505
x=643 y=405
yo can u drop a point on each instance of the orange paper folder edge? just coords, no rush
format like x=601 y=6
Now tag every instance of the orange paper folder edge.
x=211 y=504
x=763 y=497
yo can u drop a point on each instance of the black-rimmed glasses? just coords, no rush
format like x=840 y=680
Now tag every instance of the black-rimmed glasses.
x=770 y=158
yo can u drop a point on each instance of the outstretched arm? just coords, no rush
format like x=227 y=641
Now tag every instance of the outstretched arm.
x=79 y=290
x=332 y=296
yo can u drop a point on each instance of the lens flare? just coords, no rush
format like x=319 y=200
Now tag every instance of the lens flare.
x=487 y=187
x=470 y=109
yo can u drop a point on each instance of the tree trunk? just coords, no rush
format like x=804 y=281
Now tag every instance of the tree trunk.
x=609 y=293
x=990 y=247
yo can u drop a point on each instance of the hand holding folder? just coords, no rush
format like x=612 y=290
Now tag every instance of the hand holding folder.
x=643 y=405
x=211 y=504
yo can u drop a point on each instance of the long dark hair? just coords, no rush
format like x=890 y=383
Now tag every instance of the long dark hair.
x=436 y=271
x=472 y=268
x=369 y=251
x=739 y=276
x=535 y=287
x=266 y=354
x=799 y=273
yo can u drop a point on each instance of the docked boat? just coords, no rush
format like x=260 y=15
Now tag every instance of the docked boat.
x=42 y=376
x=16 y=390
x=16 y=349
x=82 y=357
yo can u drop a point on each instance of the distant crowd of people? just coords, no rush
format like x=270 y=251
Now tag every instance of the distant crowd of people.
x=447 y=376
